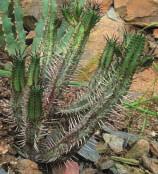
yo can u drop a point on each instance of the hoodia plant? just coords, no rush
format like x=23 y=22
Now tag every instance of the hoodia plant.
x=46 y=130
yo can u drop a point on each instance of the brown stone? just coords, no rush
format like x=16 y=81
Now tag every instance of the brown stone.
x=114 y=142
x=25 y=166
x=141 y=12
x=8 y=159
x=151 y=164
x=105 y=5
x=154 y=148
x=33 y=7
x=96 y=43
x=105 y=163
x=153 y=46
x=120 y=3
x=89 y=171
x=120 y=6
x=4 y=148
x=144 y=81
x=101 y=148
x=155 y=33
x=138 y=150
x=124 y=169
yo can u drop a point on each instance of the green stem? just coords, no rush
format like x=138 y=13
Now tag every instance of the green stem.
x=125 y=160
x=5 y=73
x=142 y=110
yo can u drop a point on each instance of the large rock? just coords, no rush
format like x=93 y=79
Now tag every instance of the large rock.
x=139 y=12
x=106 y=28
x=120 y=6
x=32 y=10
x=33 y=7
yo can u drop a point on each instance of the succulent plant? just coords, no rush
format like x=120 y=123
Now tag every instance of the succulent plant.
x=47 y=129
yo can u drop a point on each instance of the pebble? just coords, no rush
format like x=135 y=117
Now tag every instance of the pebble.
x=114 y=142
x=138 y=150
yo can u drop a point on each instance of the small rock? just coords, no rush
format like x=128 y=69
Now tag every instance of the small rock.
x=4 y=148
x=2 y=171
x=153 y=46
x=114 y=142
x=101 y=148
x=89 y=171
x=112 y=14
x=151 y=164
x=31 y=8
x=89 y=152
x=8 y=159
x=143 y=81
x=120 y=169
x=154 y=148
x=155 y=33
x=123 y=169
x=138 y=150
x=105 y=164
x=26 y=166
